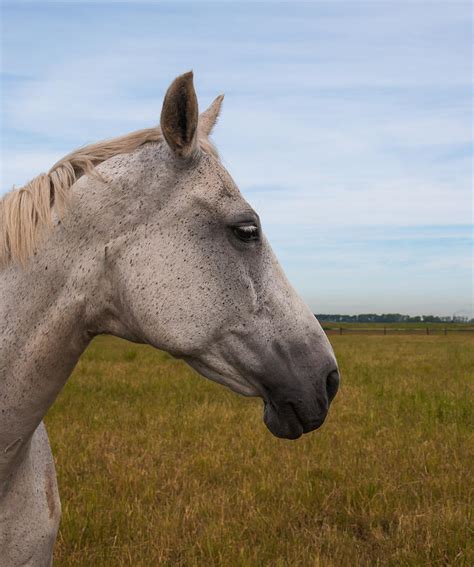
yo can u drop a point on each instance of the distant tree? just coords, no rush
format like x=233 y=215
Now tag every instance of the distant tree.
x=389 y=318
x=367 y=318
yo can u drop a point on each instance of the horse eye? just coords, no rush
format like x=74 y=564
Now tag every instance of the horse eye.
x=247 y=232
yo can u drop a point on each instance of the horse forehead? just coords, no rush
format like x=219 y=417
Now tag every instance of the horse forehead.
x=219 y=200
x=213 y=183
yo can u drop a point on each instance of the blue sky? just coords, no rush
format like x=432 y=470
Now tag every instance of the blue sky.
x=347 y=125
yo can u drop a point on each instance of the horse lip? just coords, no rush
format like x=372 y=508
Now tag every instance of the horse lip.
x=312 y=424
x=308 y=425
x=291 y=432
x=284 y=427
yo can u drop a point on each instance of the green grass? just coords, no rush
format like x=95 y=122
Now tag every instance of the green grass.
x=158 y=466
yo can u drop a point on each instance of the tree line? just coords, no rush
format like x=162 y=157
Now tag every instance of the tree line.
x=390 y=318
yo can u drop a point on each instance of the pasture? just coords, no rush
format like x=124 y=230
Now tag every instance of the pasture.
x=157 y=466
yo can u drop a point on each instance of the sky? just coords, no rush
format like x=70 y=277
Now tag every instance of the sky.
x=347 y=125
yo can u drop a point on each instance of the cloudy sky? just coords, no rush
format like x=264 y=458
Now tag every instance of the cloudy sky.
x=347 y=125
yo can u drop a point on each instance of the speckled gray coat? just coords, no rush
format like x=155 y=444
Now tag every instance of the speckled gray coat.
x=162 y=250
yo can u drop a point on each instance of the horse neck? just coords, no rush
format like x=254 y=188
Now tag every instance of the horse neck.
x=46 y=322
x=50 y=310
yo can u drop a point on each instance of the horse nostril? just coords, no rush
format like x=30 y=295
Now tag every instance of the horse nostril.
x=332 y=384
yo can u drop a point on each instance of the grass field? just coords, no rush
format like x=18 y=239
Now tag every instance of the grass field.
x=158 y=466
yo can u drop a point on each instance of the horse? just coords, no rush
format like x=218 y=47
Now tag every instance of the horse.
x=145 y=237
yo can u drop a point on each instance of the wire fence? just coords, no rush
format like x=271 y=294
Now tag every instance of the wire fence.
x=395 y=331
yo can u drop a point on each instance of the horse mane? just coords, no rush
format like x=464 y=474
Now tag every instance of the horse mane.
x=26 y=213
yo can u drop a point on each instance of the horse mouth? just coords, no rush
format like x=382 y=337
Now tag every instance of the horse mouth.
x=282 y=418
x=284 y=421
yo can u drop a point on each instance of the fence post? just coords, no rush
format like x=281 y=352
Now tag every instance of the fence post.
x=445 y=331
x=340 y=330
x=385 y=330
x=427 y=331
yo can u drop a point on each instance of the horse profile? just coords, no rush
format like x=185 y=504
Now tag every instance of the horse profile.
x=145 y=237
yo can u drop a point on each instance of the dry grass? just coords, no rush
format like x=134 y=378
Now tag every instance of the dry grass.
x=160 y=467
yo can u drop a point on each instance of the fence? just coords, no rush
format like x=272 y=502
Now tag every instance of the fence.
x=395 y=331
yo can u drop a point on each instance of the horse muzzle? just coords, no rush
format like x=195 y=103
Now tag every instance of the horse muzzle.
x=288 y=417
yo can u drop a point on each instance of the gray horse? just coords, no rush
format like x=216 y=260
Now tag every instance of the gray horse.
x=145 y=237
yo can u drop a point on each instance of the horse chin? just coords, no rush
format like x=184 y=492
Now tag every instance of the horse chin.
x=235 y=383
x=283 y=423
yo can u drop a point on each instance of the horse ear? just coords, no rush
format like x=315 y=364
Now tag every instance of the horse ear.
x=179 y=115
x=208 y=119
